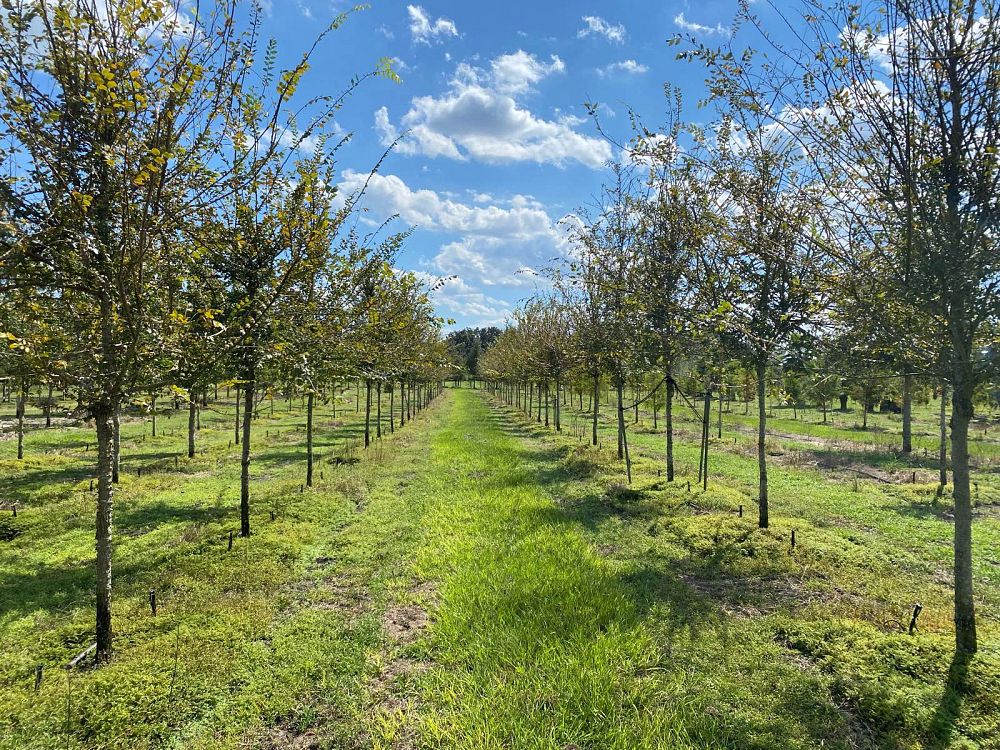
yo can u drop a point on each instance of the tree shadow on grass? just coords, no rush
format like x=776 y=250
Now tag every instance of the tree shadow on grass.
x=34 y=586
x=27 y=484
x=949 y=707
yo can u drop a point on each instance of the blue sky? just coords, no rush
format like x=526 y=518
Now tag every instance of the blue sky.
x=499 y=145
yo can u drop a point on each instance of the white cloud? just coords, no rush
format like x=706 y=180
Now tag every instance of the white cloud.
x=478 y=118
x=388 y=194
x=517 y=72
x=425 y=30
x=625 y=66
x=499 y=242
x=305 y=10
x=597 y=25
x=697 y=28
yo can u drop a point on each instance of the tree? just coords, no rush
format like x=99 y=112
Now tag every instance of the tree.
x=764 y=272
x=896 y=104
x=110 y=112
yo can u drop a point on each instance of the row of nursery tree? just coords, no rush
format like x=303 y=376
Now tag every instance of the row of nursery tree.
x=835 y=226
x=169 y=222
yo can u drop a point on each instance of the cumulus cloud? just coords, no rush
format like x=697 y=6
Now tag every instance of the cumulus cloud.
x=478 y=118
x=389 y=194
x=516 y=73
x=423 y=29
x=625 y=66
x=596 y=25
x=697 y=28
x=493 y=243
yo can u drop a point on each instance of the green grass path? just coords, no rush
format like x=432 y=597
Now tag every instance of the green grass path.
x=541 y=640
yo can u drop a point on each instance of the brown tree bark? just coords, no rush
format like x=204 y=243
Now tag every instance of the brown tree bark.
x=103 y=415
x=368 y=412
x=595 y=400
x=668 y=417
x=22 y=400
x=763 y=519
x=907 y=413
x=943 y=450
x=192 y=422
x=248 y=396
x=620 y=392
x=309 y=439
x=961 y=415
x=116 y=444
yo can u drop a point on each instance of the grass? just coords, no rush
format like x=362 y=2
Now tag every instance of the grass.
x=267 y=634
x=479 y=582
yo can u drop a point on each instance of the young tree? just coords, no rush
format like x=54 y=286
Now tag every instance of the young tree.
x=896 y=101
x=764 y=273
x=110 y=111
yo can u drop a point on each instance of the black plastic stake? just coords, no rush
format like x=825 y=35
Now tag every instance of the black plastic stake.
x=38 y=678
x=152 y=601
x=230 y=540
x=917 y=608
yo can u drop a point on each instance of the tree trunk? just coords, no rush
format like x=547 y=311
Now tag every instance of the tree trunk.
x=392 y=409
x=907 y=413
x=719 y=431
x=105 y=495
x=22 y=399
x=116 y=445
x=48 y=408
x=152 y=411
x=595 y=404
x=843 y=402
x=763 y=520
x=238 y=423
x=558 y=408
x=402 y=399
x=248 y=394
x=309 y=439
x=378 y=410
x=943 y=451
x=706 y=431
x=547 y=399
x=668 y=417
x=619 y=389
x=961 y=416
x=192 y=418
x=368 y=412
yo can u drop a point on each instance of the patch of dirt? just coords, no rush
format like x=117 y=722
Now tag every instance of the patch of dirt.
x=756 y=597
x=404 y=623
x=286 y=738
x=31 y=423
x=331 y=594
